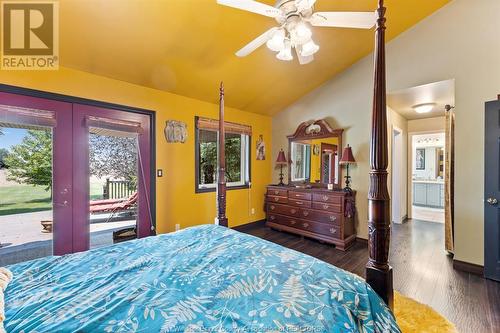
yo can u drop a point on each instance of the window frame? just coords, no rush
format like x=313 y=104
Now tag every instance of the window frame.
x=305 y=177
x=246 y=168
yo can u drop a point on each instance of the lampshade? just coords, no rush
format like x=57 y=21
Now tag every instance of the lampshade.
x=281 y=158
x=347 y=156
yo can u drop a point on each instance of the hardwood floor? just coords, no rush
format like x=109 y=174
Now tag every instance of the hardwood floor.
x=422 y=271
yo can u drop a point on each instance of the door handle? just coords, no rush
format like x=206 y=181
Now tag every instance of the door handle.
x=492 y=201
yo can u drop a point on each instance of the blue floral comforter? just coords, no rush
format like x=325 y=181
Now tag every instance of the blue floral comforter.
x=201 y=279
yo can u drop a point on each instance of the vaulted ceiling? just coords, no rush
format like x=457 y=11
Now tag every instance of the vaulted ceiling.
x=187 y=47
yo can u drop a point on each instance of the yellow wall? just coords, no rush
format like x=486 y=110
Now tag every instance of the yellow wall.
x=176 y=200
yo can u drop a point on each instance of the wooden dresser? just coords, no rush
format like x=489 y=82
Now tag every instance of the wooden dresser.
x=314 y=212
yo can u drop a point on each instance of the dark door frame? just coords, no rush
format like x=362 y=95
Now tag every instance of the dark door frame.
x=84 y=101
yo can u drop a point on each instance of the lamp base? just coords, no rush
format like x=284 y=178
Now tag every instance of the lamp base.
x=281 y=176
x=347 y=189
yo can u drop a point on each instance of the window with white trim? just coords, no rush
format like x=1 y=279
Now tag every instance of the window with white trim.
x=237 y=149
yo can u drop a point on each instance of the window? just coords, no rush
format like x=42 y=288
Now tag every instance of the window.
x=300 y=166
x=237 y=159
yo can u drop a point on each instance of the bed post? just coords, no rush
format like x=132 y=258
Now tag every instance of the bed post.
x=378 y=271
x=221 y=171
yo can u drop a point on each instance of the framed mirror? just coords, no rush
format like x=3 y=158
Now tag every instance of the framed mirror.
x=314 y=153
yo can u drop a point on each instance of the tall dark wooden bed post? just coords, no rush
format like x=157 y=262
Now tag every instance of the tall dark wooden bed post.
x=378 y=271
x=221 y=170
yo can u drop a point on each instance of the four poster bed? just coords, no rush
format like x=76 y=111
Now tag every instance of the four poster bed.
x=211 y=278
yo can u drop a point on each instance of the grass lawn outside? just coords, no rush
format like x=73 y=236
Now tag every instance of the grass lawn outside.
x=18 y=199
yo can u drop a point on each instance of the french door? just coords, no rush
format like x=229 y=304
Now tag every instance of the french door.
x=71 y=125
x=88 y=120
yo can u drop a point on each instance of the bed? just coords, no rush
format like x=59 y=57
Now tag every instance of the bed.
x=205 y=278
x=213 y=279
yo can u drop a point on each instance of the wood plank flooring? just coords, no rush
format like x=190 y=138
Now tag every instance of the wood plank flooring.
x=422 y=271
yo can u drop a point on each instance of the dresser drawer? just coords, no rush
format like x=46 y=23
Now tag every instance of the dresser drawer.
x=326 y=229
x=328 y=198
x=285 y=220
x=282 y=209
x=272 y=198
x=277 y=192
x=320 y=216
x=299 y=195
x=299 y=203
x=328 y=207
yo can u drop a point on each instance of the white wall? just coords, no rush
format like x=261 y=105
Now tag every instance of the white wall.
x=461 y=42
x=396 y=121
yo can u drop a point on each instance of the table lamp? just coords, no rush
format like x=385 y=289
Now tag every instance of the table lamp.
x=347 y=159
x=281 y=161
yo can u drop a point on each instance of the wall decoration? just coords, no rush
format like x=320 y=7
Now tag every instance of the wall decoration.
x=420 y=159
x=316 y=150
x=176 y=131
x=313 y=129
x=261 y=149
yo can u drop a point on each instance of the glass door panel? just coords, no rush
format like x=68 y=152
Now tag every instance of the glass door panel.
x=35 y=191
x=113 y=161
x=112 y=169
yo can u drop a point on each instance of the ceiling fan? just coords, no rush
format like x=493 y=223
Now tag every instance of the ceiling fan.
x=294 y=18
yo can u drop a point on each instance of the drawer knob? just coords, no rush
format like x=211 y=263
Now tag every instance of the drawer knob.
x=293 y=211
x=272 y=207
x=305 y=225
x=276 y=192
x=272 y=217
x=332 y=218
x=305 y=213
x=325 y=198
x=299 y=202
x=333 y=230
x=297 y=195
x=325 y=206
x=276 y=199
x=293 y=221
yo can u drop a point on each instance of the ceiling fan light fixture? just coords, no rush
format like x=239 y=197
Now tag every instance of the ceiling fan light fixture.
x=309 y=48
x=277 y=42
x=286 y=53
x=302 y=32
x=423 y=108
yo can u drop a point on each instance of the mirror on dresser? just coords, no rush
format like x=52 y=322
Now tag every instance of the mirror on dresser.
x=314 y=153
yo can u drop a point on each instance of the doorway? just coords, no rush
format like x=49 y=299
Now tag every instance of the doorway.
x=62 y=220
x=428 y=176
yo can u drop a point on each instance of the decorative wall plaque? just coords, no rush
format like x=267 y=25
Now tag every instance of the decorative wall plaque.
x=176 y=131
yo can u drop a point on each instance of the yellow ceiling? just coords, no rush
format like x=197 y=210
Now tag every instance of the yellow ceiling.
x=187 y=47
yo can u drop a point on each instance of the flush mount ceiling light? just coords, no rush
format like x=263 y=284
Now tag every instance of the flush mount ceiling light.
x=424 y=107
x=295 y=18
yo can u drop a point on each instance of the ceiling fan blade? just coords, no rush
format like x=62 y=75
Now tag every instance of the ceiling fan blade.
x=362 y=20
x=303 y=60
x=251 y=6
x=256 y=43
